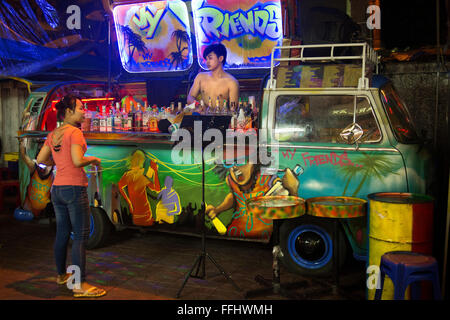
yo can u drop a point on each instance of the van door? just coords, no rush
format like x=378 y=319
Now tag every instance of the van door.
x=306 y=127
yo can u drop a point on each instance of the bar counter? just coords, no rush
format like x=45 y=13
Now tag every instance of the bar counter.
x=119 y=138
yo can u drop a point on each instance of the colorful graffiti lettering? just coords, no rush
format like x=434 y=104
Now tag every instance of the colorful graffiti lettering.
x=153 y=36
x=332 y=158
x=39 y=186
x=263 y=20
x=289 y=154
x=149 y=18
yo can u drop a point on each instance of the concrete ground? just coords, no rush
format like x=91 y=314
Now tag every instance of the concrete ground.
x=152 y=266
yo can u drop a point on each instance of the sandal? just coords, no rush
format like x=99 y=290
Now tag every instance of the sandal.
x=62 y=279
x=92 y=292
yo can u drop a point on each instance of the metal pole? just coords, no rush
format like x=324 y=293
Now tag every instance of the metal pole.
x=109 y=53
x=438 y=54
x=438 y=65
x=444 y=264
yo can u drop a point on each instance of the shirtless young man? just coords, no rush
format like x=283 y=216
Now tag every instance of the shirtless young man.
x=216 y=83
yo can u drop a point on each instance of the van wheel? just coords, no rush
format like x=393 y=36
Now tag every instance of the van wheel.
x=100 y=228
x=307 y=246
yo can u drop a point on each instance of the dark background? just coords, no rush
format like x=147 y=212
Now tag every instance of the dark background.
x=411 y=23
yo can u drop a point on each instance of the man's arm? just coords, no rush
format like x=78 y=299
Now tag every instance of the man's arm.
x=44 y=154
x=234 y=91
x=24 y=156
x=226 y=204
x=195 y=90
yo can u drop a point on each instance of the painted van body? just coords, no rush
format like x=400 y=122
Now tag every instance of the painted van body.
x=140 y=186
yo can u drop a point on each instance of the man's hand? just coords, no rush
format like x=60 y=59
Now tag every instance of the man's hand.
x=210 y=211
x=150 y=173
x=22 y=145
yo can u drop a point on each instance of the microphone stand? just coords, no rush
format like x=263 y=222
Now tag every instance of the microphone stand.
x=201 y=259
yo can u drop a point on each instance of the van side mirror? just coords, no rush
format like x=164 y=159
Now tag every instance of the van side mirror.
x=352 y=133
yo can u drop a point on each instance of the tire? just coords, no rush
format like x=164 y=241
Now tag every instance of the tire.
x=100 y=228
x=307 y=246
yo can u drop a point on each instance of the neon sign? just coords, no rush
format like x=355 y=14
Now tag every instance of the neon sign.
x=148 y=19
x=260 y=20
x=249 y=30
x=154 y=36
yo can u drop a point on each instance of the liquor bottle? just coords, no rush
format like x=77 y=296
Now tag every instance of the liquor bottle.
x=202 y=107
x=251 y=101
x=110 y=120
x=145 y=119
x=180 y=107
x=170 y=112
x=130 y=118
x=87 y=118
x=224 y=107
x=95 y=120
x=117 y=118
x=233 y=107
x=124 y=115
x=153 y=121
x=138 y=118
x=233 y=122
x=217 y=108
x=241 y=121
x=102 y=119
x=248 y=115
x=254 y=115
x=162 y=113
x=209 y=107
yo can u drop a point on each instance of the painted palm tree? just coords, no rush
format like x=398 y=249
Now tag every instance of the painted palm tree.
x=177 y=58
x=133 y=41
x=349 y=173
x=371 y=166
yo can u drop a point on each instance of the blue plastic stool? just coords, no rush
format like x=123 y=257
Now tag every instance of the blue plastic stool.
x=407 y=268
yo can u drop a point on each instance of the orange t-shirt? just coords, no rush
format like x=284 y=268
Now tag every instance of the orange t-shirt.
x=66 y=172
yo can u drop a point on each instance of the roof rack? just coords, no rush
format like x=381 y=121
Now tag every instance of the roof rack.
x=368 y=55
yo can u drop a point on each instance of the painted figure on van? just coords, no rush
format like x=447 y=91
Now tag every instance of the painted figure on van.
x=246 y=181
x=37 y=198
x=133 y=186
x=168 y=206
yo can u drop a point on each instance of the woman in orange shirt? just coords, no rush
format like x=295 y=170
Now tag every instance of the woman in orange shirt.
x=67 y=146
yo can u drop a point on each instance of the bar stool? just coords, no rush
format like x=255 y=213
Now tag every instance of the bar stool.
x=336 y=208
x=277 y=209
x=405 y=268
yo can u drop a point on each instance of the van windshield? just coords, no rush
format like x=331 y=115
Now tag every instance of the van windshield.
x=398 y=115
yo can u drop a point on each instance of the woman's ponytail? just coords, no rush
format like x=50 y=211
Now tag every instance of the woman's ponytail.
x=68 y=102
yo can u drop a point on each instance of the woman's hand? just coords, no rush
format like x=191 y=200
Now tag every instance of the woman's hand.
x=95 y=161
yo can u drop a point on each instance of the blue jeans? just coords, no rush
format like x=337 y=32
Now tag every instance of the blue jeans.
x=71 y=205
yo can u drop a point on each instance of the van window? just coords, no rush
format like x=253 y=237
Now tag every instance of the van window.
x=398 y=115
x=313 y=118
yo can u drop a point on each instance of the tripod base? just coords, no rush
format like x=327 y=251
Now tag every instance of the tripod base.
x=200 y=264
x=274 y=288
